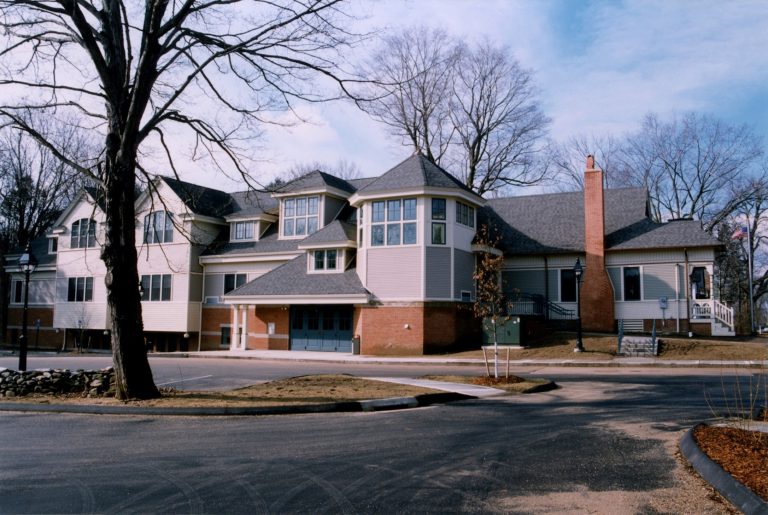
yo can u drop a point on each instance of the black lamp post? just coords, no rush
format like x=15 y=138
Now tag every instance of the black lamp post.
x=27 y=264
x=577 y=272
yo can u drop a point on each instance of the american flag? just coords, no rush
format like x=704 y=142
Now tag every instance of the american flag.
x=739 y=233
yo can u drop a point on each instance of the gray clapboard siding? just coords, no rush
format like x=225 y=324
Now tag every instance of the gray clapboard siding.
x=463 y=270
x=438 y=273
x=659 y=281
x=523 y=281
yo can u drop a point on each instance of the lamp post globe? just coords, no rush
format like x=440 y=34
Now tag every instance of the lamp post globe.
x=27 y=265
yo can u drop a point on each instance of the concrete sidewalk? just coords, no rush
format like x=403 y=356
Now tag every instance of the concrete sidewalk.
x=336 y=357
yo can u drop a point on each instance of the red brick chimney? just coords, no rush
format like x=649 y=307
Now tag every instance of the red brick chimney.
x=597 y=308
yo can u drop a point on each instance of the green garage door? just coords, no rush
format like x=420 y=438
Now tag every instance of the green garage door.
x=321 y=328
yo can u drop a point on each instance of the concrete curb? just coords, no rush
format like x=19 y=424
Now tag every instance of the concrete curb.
x=375 y=360
x=738 y=494
x=394 y=403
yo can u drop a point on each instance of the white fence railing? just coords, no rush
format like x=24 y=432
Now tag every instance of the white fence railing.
x=724 y=314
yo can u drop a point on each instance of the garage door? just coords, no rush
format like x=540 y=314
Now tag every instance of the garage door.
x=321 y=328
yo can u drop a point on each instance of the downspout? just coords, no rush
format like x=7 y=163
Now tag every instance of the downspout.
x=546 y=288
x=677 y=297
x=687 y=293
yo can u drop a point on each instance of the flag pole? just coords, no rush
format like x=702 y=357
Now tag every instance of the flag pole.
x=749 y=260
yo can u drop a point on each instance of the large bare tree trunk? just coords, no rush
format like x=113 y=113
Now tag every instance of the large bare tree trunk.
x=133 y=374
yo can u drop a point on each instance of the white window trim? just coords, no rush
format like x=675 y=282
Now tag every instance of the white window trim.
x=254 y=231
x=283 y=218
x=386 y=223
x=340 y=263
x=642 y=285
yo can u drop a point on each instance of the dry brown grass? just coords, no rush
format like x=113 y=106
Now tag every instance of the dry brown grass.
x=284 y=392
x=513 y=384
x=604 y=347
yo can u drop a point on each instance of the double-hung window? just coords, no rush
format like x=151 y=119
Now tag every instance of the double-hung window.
x=567 y=285
x=243 y=230
x=438 y=228
x=156 y=287
x=233 y=281
x=158 y=227
x=80 y=289
x=632 y=283
x=325 y=259
x=83 y=234
x=465 y=215
x=18 y=292
x=300 y=216
x=393 y=222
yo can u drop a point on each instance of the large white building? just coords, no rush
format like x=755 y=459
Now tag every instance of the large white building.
x=388 y=260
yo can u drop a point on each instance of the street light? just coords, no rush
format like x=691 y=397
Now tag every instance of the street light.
x=577 y=272
x=27 y=264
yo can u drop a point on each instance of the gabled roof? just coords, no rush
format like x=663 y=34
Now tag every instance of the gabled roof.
x=315 y=180
x=253 y=203
x=416 y=172
x=647 y=234
x=201 y=200
x=554 y=223
x=39 y=247
x=292 y=278
x=335 y=232
x=97 y=196
x=268 y=243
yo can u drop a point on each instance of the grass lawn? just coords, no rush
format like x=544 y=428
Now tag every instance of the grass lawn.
x=284 y=392
x=604 y=347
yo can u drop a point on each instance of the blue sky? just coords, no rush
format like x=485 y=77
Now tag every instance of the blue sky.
x=600 y=66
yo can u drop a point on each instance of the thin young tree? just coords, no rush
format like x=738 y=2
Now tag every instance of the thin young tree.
x=489 y=302
x=146 y=72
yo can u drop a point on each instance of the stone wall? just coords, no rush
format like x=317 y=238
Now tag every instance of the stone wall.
x=88 y=383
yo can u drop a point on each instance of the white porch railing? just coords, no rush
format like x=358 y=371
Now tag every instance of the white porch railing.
x=723 y=314
x=713 y=309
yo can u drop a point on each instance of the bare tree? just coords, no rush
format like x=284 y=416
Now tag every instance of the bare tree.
x=414 y=73
x=35 y=187
x=143 y=72
x=688 y=164
x=498 y=121
x=473 y=110
x=567 y=161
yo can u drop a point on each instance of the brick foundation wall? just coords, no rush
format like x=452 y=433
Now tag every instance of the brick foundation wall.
x=48 y=337
x=415 y=329
x=259 y=318
x=210 y=326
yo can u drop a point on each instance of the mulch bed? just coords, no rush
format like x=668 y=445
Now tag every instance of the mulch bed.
x=742 y=453
x=493 y=381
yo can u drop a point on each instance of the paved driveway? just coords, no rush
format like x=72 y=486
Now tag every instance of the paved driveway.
x=604 y=443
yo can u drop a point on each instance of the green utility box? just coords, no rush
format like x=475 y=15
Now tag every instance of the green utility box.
x=507 y=332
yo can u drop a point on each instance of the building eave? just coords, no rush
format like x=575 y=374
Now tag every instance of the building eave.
x=296 y=299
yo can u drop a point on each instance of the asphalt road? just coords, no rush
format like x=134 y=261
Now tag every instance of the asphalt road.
x=603 y=443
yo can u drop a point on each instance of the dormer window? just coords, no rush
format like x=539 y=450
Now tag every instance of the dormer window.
x=83 y=234
x=300 y=216
x=243 y=230
x=325 y=259
x=53 y=245
x=158 y=227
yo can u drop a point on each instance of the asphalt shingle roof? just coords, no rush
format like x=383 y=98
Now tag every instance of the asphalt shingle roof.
x=315 y=180
x=554 y=223
x=415 y=172
x=201 y=200
x=335 y=232
x=268 y=242
x=39 y=248
x=248 y=203
x=292 y=279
